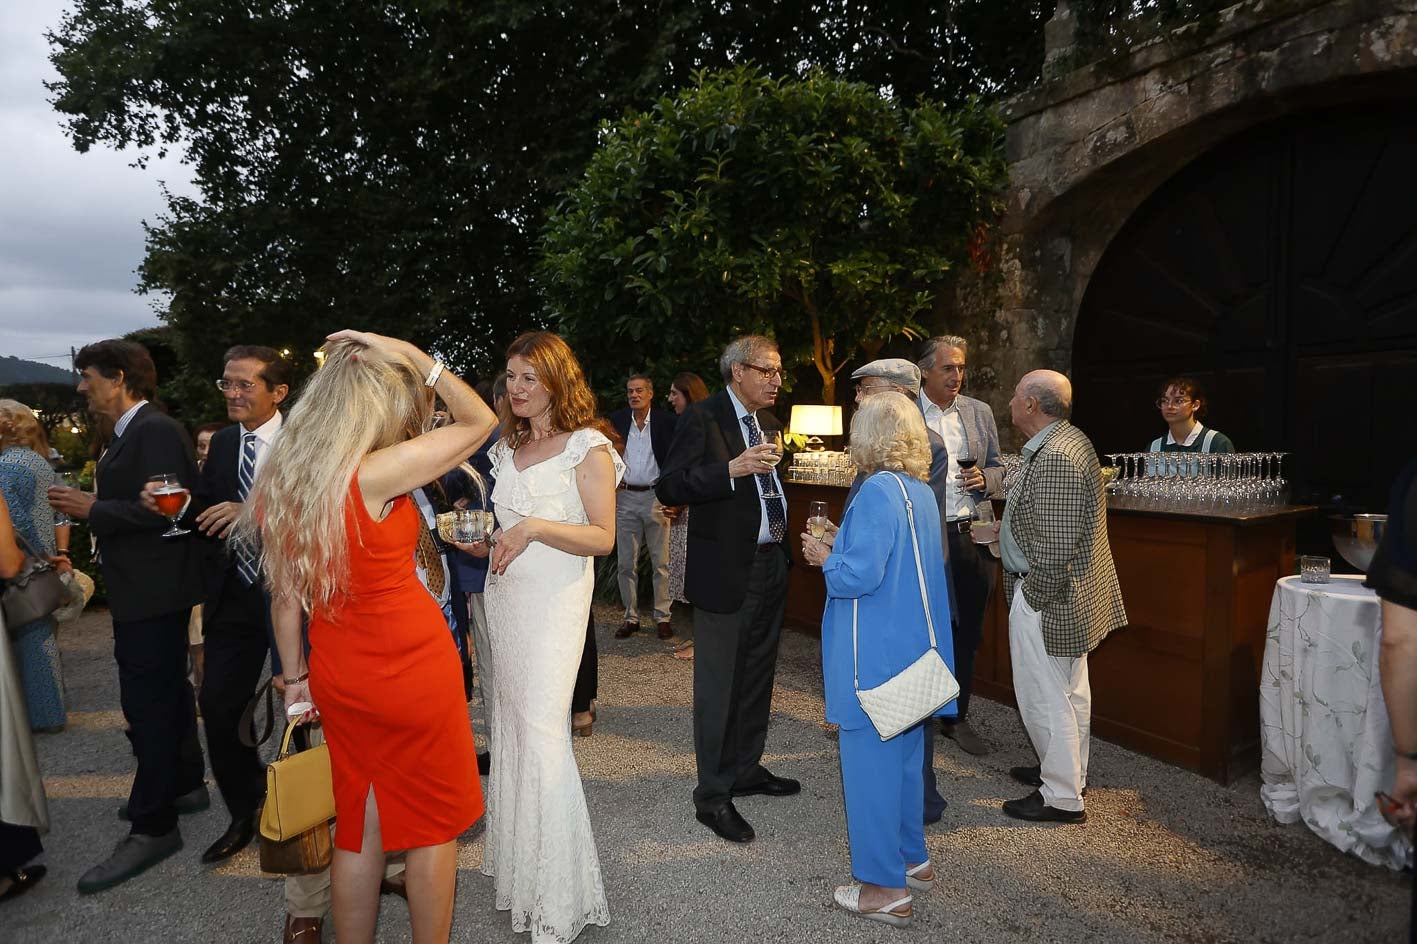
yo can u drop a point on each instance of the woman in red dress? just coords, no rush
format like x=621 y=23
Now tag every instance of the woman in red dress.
x=338 y=533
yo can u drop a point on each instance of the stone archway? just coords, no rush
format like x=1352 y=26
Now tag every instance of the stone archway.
x=1087 y=150
x=1280 y=269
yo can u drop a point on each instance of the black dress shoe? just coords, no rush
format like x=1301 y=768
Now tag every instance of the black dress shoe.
x=237 y=837
x=1033 y=808
x=1031 y=776
x=727 y=823
x=1028 y=776
x=770 y=786
x=484 y=763
x=22 y=880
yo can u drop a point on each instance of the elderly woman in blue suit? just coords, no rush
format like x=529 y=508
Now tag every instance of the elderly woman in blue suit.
x=870 y=562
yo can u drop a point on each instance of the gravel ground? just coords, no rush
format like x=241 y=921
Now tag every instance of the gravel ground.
x=1165 y=855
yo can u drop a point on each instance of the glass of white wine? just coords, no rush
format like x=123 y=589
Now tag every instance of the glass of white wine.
x=817 y=520
x=773 y=438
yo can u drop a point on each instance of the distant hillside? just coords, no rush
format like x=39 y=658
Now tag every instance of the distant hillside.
x=13 y=370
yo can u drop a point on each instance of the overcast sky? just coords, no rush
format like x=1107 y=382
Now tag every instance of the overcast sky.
x=71 y=234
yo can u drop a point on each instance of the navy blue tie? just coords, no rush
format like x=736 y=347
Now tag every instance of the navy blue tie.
x=777 y=513
x=245 y=476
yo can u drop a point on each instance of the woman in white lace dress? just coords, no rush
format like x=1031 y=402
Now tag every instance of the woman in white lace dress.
x=556 y=472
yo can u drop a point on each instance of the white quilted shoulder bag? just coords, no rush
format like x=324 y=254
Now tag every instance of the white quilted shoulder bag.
x=921 y=688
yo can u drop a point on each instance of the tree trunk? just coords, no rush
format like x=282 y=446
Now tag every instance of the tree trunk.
x=823 y=349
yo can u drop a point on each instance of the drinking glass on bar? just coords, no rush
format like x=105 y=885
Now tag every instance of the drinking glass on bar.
x=172 y=499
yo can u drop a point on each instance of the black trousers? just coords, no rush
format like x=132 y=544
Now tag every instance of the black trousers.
x=588 y=675
x=236 y=644
x=735 y=659
x=158 y=705
x=18 y=844
x=974 y=573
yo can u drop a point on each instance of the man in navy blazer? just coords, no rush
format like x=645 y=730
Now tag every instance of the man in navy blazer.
x=153 y=583
x=236 y=618
x=646 y=431
x=722 y=465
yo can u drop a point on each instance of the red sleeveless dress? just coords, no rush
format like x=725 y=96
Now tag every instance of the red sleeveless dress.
x=385 y=675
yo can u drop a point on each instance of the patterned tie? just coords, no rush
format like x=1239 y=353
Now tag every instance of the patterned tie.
x=777 y=513
x=430 y=560
x=246 y=566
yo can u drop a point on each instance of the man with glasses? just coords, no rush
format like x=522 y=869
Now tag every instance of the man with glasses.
x=974 y=474
x=722 y=463
x=236 y=617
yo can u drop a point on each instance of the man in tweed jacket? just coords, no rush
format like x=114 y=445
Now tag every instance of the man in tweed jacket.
x=1063 y=593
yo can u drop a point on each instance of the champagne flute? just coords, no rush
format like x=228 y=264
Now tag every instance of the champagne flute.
x=817 y=520
x=67 y=480
x=773 y=438
x=172 y=499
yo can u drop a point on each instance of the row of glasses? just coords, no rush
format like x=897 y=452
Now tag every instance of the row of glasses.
x=1181 y=478
x=821 y=468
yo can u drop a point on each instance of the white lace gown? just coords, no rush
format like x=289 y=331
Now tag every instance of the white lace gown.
x=539 y=846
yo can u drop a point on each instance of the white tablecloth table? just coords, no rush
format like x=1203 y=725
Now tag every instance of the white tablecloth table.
x=1324 y=728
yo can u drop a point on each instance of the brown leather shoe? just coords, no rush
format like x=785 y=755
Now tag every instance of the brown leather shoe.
x=665 y=630
x=626 y=630
x=303 y=930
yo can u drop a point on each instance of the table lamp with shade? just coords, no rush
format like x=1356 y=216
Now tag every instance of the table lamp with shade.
x=815 y=421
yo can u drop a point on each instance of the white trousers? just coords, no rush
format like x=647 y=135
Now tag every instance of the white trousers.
x=482 y=655
x=640 y=521
x=1055 y=702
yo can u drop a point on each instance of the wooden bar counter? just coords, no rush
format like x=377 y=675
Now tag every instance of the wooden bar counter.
x=1181 y=681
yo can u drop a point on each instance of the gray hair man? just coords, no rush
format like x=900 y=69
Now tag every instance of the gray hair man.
x=646 y=430
x=974 y=474
x=721 y=464
x=1063 y=593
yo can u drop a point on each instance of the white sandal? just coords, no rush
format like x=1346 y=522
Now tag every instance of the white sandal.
x=848 y=898
x=919 y=884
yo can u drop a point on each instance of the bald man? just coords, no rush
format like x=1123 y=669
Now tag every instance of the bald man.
x=1063 y=594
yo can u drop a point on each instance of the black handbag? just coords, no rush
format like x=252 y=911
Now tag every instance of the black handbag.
x=33 y=593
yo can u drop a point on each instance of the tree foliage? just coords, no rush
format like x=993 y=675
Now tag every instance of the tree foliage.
x=389 y=165
x=815 y=210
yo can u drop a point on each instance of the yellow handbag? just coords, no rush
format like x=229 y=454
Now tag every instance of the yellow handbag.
x=299 y=792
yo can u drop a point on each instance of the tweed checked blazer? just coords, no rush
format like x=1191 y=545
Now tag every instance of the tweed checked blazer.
x=1059 y=521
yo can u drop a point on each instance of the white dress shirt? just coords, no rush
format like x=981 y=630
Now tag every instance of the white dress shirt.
x=764 y=532
x=949 y=425
x=640 y=465
x=123 y=421
x=265 y=439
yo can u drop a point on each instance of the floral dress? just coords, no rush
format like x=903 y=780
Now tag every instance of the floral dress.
x=25 y=477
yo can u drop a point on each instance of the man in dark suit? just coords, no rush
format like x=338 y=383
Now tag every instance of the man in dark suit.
x=254 y=381
x=153 y=583
x=721 y=463
x=646 y=432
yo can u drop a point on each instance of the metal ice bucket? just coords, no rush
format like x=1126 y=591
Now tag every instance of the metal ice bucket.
x=1357 y=536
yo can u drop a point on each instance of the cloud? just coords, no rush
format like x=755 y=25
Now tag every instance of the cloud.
x=71 y=234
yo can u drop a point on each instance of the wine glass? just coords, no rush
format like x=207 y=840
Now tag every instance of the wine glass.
x=817 y=520
x=965 y=458
x=67 y=480
x=172 y=499
x=773 y=438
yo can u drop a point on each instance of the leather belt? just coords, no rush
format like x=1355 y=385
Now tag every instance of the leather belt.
x=1015 y=575
x=636 y=488
x=767 y=548
x=960 y=525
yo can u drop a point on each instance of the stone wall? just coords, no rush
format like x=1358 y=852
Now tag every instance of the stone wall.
x=1086 y=149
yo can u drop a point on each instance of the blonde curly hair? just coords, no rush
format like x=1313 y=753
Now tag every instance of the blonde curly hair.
x=888 y=432
x=18 y=427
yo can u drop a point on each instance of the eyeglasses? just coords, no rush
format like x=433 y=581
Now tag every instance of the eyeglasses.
x=768 y=372
x=245 y=386
x=1163 y=403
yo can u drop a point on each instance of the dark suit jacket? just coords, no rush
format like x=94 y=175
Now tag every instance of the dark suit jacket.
x=217 y=483
x=661 y=431
x=723 y=530
x=147 y=575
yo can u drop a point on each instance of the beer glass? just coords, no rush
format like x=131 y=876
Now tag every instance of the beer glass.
x=172 y=499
